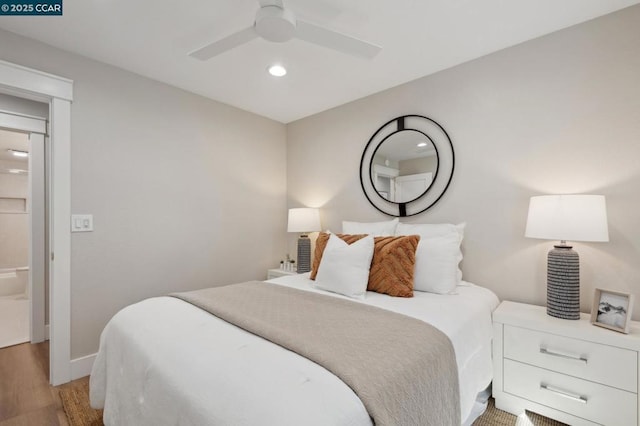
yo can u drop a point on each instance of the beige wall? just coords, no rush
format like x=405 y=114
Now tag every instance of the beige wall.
x=185 y=192
x=559 y=114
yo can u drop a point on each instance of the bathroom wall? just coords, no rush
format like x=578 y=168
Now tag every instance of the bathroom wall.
x=13 y=224
x=14 y=189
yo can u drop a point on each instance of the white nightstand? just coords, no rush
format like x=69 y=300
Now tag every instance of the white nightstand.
x=571 y=371
x=275 y=273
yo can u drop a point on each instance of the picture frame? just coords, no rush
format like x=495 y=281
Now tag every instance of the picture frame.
x=612 y=310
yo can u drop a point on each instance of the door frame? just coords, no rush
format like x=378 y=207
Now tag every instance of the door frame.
x=38 y=262
x=57 y=91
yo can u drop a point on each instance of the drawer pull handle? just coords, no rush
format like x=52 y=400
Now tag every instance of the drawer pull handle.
x=571 y=396
x=565 y=356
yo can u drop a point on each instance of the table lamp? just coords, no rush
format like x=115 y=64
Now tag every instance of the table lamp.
x=304 y=220
x=566 y=218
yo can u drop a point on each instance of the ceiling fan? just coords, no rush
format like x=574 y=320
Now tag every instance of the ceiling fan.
x=276 y=23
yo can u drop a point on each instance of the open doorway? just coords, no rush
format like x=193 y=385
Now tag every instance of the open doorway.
x=23 y=227
x=56 y=94
x=14 y=238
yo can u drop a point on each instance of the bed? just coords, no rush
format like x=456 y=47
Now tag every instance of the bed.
x=165 y=361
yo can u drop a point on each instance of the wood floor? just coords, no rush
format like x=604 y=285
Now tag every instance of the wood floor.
x=26 y=398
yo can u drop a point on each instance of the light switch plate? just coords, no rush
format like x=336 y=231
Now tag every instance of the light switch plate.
x=81 y=222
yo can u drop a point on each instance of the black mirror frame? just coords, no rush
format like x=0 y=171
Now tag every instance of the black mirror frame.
x=441 y=181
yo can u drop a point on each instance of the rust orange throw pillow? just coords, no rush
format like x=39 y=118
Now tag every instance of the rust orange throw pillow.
x=392 y=266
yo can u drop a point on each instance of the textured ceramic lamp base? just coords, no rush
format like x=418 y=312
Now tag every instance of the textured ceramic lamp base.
x=304 y=254
x=563 y=283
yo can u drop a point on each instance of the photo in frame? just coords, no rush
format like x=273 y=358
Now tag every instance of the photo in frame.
x=612 y=310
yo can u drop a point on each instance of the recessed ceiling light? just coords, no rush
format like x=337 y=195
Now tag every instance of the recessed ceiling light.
x=17 y=153
x=16 y=171
x=422 y=145
x=277 y=70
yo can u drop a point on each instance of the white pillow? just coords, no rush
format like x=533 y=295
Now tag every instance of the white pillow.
x=344 y=268
x=437 y=256
x=377 y=229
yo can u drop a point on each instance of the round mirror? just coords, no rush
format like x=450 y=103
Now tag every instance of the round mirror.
x=407 y=165
x=404 y=165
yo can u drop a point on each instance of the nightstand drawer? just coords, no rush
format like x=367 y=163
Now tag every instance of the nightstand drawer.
x=581 y=398
x=591 y=361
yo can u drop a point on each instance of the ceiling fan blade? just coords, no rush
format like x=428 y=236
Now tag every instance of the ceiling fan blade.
x=264 y=3
x=335 y=40
x=222 y=45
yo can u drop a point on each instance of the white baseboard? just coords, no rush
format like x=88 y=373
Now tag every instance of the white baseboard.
x=81 y=367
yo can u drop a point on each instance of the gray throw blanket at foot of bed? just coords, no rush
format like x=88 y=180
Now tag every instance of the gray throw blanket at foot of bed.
x=402 y=369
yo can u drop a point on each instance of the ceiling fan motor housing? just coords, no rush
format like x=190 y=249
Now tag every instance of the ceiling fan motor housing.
x=276 y=24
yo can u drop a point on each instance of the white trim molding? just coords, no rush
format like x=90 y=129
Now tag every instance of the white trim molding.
x=22 y=79
x=58 y=92
x=81 y=367
x=37 y=236
x=60 y=240
x=23 y=123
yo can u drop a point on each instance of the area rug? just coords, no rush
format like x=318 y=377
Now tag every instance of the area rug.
x=75 y=400
x=495 y=417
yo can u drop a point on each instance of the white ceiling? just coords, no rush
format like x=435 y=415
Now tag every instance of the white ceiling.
x=418 y=37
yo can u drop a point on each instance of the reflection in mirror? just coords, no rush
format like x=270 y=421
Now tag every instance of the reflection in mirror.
x=404 y=166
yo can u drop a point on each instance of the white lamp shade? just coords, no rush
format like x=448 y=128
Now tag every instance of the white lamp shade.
x=568 y=217
x=303 y=220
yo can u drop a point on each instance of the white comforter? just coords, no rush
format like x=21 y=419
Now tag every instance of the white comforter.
x=164 y=361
